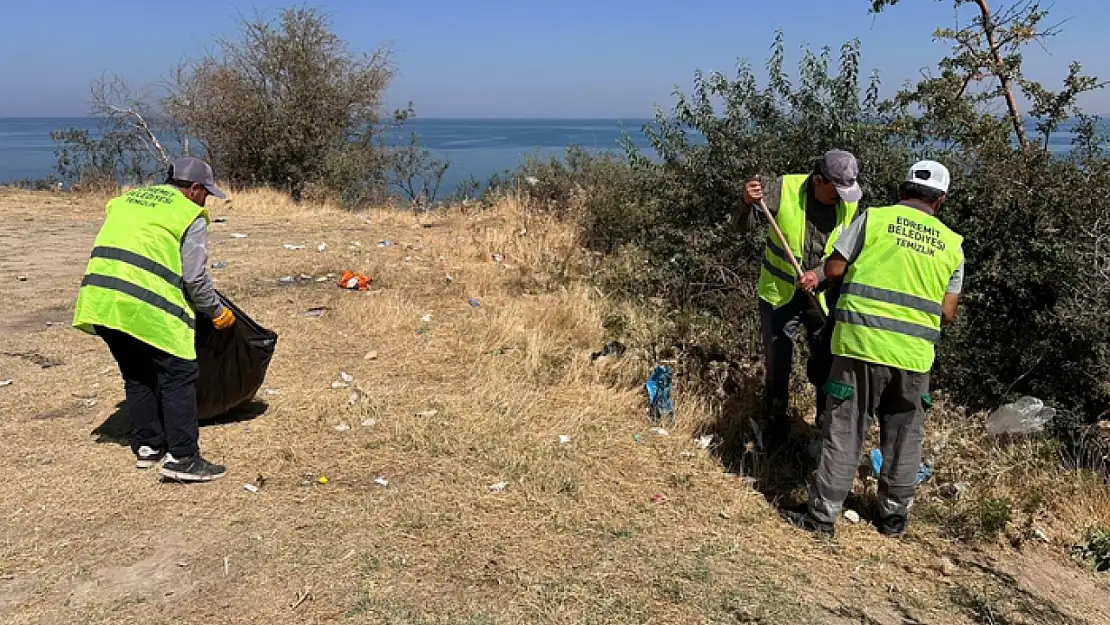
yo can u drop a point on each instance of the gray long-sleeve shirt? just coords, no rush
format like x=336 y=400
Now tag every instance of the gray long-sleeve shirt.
x=820 y=222
x=194 y=270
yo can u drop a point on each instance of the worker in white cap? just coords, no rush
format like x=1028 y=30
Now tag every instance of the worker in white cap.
x=902 y=271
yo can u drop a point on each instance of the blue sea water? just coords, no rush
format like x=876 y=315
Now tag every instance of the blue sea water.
x=474 y=147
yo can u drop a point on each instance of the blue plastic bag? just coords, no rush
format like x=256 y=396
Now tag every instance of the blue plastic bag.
x=923 y=473
x=659 y=394
x=876 y=461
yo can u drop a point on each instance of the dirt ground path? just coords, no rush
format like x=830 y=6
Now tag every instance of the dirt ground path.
x=455 y=399
x=47 y=248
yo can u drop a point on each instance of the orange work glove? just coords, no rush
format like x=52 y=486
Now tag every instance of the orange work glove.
x=224 y=320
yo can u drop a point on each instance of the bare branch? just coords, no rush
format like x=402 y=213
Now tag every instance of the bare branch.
x=139 y=123
x=1003 y=76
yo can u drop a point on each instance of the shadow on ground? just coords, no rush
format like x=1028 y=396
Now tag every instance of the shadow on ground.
x=779 y=472
x=116 y=429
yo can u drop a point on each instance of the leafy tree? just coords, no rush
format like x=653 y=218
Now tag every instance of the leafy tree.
x=275 y=106
x=989 y=48
x=285 y=104
x=1035 y=313
x=1036 y=304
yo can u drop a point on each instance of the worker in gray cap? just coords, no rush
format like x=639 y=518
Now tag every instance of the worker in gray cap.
x=901 y=270
x=811 y=210
x=143 y=287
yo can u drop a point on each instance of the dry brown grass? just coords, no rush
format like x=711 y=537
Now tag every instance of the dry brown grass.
x=573 y=538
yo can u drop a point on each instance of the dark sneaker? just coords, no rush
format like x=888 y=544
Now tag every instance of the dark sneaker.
x=801 y=519
x=191 y=469
x=148 y=457
x=893 y=526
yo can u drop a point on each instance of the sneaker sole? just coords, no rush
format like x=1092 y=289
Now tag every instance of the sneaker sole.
x=147 y=464
x=188 y=477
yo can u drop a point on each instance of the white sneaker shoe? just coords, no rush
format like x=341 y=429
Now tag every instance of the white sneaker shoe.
x=148 y=457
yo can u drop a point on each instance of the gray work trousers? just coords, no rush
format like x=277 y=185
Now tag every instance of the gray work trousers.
x=780 y=329
x=896 y=397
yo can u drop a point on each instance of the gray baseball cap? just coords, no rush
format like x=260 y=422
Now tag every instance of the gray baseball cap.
x=192 y=169
x=841 y=169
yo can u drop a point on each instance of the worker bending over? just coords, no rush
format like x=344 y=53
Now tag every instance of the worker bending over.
x=811 y=210
x=147 y=273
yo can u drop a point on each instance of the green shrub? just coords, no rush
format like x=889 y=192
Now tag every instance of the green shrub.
x=1036 y=304
x=992 y=516
x=982 y=519
x=1096 y=549
x=598 y=188
x=1035 y=317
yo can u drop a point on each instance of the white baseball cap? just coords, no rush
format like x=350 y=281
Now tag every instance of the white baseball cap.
x=930 y=174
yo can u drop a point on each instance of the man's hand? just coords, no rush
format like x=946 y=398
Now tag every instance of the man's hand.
x=949 y=307
x=224 y=320
x=753 y=191
x=835 y=267
x=809 y=281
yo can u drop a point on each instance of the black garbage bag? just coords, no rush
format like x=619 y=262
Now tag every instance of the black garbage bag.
x=232 y=362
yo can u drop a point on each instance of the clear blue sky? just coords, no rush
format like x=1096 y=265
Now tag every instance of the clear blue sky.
x=502 y=58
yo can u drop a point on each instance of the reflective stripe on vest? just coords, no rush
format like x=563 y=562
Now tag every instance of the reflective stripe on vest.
x=131 y=258
x=776 y=272
x=888 y=324
x=133 y=281
x=776 y=278
x=893 y=297
x=141 y=294
x=890 y=305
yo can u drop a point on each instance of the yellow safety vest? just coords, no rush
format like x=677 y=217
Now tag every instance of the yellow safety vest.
x=889 y=311
x=133 y=281
x=776 y=279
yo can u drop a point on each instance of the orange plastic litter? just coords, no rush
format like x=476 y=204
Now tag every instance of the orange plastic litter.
x=354 y=281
